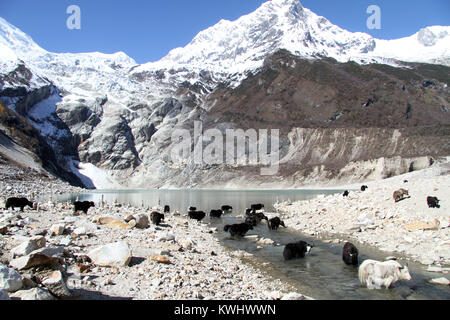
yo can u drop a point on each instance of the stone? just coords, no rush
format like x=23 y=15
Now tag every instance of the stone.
x=56 y=285
x=10 y=279
x=251 y=238
x=3 y=230
x=43 y=256
x=112 y=223
x=111 y=255
x=420 y=225
x=38 y=232
x=33 y=294
x=440 y=281
x=293 y=296
x=187 y=244
x=142 y=221
x=28 y=246
x=4 y=295
x=66 y=241
x=265 y=241
x=273 y=295
x=160 y=259
x=166 y=237
x=81 y=231
x=57 y=229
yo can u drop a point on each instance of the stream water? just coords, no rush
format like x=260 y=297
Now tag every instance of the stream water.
x=321 y=275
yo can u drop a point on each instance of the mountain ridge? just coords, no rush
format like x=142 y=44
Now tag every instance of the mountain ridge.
x=110 y=120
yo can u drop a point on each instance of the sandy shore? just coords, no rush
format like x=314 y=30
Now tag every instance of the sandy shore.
x=178 y=260
x=372 y=217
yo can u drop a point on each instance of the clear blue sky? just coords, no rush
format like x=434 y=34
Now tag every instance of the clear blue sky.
x=148 y=29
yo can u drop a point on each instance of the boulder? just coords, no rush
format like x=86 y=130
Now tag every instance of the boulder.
x=4 y=295
x=33 y=294
x=29 y=246
x=441 y=281
x=10 y=279
x=111 y=255
x=43 y=256
x=111 y=222
x=57 y=229
x=142 y=221
x=56 y=285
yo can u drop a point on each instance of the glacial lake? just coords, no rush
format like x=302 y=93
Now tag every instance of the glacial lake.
x=321 y=275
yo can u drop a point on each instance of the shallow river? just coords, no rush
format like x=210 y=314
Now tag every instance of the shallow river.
x=321 y=275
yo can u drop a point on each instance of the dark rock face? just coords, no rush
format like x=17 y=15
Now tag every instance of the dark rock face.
x=329 y=115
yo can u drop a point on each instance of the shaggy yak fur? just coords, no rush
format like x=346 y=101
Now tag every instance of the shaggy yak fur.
x=275 y=223
x=216 y=213
x=18 y=203
x=83 y=206
x=350 y=254
x=156 y=218
x=296 y=250
x=238 y=229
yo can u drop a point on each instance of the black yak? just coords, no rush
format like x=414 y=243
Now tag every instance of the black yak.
x=255 y=218
x=226 y=208
x=250 y=212
x=433 y=202
x=275 y=223
x=364 y=188
x=156 y=217
x=350 y=254
x=216 y=213
x=346 y=193
x=83 y=206
x=238 y=229
x=197 y=215
x=296 y=250
x=257 y=207
x=18 y=203
x=167 y=209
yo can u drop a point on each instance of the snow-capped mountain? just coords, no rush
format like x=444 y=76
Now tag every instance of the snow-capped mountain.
x=238 y=46
x=107 y=117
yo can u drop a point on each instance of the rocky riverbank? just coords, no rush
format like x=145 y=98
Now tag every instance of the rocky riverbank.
x=115 y=252
x=372 y=217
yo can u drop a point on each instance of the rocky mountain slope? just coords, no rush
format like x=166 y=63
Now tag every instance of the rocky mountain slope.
x=347 y=105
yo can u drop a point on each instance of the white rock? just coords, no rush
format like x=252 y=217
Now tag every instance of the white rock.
x=293 y=296
x=28 y=246
x=33 y=294
x=273 y=295
x=111 y=255
x=441 y=281
x=81 y=231
x=265 y=241
x=166 y=237
x=10 y=279
x=57 y=229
